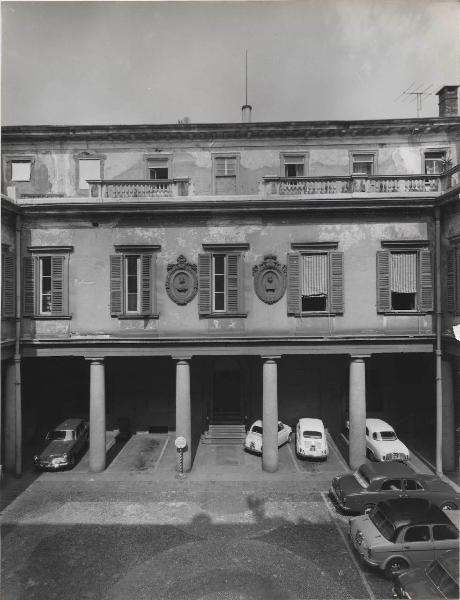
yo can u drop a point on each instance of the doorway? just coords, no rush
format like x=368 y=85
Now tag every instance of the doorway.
x=226 y=402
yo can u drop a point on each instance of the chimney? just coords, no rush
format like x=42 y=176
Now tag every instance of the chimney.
x=448 y=101
x=246 y=110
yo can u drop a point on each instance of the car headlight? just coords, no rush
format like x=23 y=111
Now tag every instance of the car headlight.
x=65 y=456
x=36 y=458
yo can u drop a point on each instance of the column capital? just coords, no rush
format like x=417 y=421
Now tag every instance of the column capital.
x=95 y=359
x=360 y=357
x=182 y=358
x=270 y=357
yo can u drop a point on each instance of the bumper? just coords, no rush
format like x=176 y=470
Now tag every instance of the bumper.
x=252 y=449
x=49 y=465
x=338 y=502
x=302 y=452
x=363 y=555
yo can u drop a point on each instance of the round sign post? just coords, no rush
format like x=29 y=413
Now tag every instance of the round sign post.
x=181 y=443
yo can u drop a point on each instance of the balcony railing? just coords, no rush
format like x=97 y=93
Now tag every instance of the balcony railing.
x=451 y=178
x=384 y=184
x=139 y=188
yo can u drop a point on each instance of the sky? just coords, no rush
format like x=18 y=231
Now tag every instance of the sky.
x=151 y=62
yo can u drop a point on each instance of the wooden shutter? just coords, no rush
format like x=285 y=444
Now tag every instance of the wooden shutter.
x=59 y=284
x=383 y=281
x=8 y=287
x=204 y=284
x=451 y=280
x=426 y=282
x=29 y=301
x=234 y=283
x=147 y=283
x=336 y=286
x=294 y=306
x=116 y=284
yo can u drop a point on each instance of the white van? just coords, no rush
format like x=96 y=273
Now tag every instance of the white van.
x=311 y=439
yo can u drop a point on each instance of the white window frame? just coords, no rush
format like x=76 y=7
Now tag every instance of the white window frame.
x=137 y=310
x=236 y=174
x=371 y=153
x=441 y=151
x=213 y=284
x=22 y=162
x=83 y=185
x=284 y=160
x=328 y=293
x=40 y=285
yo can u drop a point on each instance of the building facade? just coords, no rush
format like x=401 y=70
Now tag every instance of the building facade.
x=187 y=275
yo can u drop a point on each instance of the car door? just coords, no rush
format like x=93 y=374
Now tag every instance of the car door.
x=417 y=545
x=412 y=488
x=445 y=537
x=391 y=488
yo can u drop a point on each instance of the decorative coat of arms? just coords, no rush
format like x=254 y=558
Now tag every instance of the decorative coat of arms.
x=181 y=281
x=270 y=279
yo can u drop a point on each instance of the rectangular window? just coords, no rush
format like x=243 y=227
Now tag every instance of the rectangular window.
x=315 y=282
x=46 y=284
x=158 y=168
x=20 y=170
x=434 y=162
x=132 y=284
x=404 y=281
x=132 y=287
x=220 y=283
x=363 y=164
x=294 y=165
x=225 y=174
x=219 y=287
x=88 y=168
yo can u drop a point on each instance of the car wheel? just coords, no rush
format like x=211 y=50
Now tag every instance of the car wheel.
x=367 y=508
x=449 y=506
x=370 y=455
x=394 y=566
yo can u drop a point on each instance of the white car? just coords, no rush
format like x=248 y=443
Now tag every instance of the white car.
x=311 y=439
x=253 y=441
x=382 y=443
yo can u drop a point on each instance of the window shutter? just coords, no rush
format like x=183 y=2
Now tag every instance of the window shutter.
x=116 y=284
x=293 y=284
x=234 y=283
x=147 y=282
x=383 y=281
x=8 y=300
x=336 y=287
x=29 y=286
x=204 y=284
x=426 y=282
x=451 y=270
x=58 y=286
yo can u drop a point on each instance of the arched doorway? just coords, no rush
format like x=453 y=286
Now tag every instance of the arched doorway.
x=226 y=398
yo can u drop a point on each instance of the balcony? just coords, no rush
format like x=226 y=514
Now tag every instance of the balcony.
x=350 y=184
x=139 y=188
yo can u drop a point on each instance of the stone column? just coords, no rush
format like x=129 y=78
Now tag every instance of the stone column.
x=357 y=411
x=97 y=435
x=183 y=409
x=448 y=416
x=270 y=415
x=9 y=460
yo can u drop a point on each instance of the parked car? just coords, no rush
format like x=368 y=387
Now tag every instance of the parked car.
x=438 y=580
x=311 y=439
x=360 y=491
x=382 y=443
x=63 y=445
x=403 y=533
x=253 y=441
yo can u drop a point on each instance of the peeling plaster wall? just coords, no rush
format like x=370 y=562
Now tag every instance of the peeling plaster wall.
x=89 y=274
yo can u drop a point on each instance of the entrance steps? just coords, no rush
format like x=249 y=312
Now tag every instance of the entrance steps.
x=224 y=434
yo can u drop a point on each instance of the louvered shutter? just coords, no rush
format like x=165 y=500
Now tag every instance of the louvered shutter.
x=58 y=285
x=204 y=284
x=234 y=283
x=426 y=282
x=116 y=284
x=8 y=288
x=29 y=263
x=294 y=306
x=451 y=270
x=336 y=286
x=383 y=281
x=147 y=283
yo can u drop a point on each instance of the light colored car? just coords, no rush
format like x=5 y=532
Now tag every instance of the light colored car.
x=253 y=441
x=403 y=533
x=382 y=443
x=311 y=439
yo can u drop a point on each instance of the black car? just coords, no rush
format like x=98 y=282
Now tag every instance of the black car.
x=63 y=445
x=360 y=491
x=438 y=580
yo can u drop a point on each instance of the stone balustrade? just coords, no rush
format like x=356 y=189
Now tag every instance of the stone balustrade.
x=451 y=178
x=139 y=188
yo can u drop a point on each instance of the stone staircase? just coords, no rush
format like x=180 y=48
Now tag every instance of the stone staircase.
x=224 y=434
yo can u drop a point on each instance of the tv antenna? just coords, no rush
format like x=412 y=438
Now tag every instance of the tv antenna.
x=246 y=109
x=416 y=93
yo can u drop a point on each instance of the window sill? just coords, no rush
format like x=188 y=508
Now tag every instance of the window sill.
x=316 y=314
x=404 y=312
x=48 y=317
x=135 y=317
x=224 y=315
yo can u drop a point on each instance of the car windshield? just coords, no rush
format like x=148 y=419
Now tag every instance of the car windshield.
x=385 y=526
x=361 y=478
x=442 y=580
x=388 y=435
x=58 y=434
x=312 y=434
x=256 y=429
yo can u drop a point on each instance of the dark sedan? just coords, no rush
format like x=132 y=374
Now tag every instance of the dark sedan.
x=360 y=491
x=438 y=580
x=63 y=445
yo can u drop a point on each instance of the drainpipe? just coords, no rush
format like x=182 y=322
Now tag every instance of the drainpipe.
x=438 y=351
x=17 y=353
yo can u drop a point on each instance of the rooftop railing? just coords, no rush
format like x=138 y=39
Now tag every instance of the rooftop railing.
x=139 y=188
